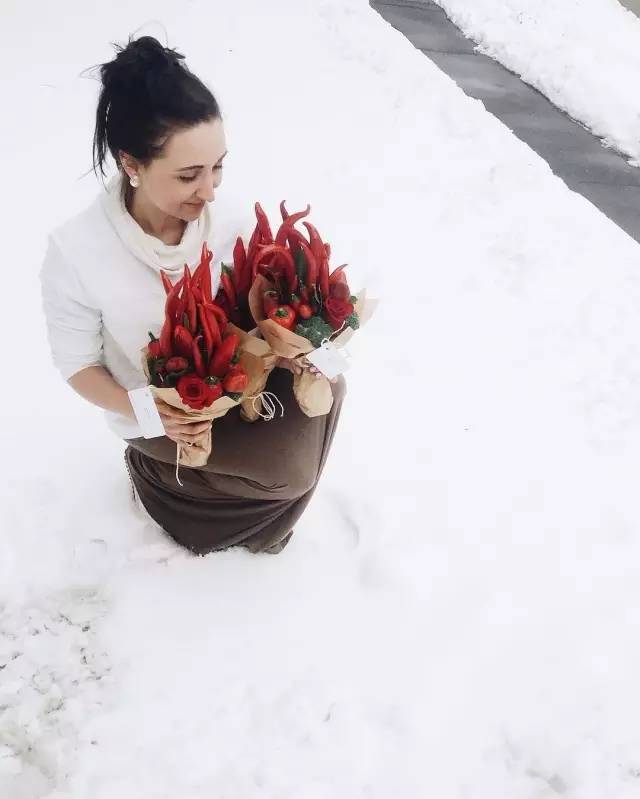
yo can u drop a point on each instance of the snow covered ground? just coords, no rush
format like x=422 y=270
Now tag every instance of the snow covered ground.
x=584 y=55
x=457 y=614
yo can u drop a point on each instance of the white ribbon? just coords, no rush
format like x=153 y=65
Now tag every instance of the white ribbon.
x=268 y=404
x=269 y=400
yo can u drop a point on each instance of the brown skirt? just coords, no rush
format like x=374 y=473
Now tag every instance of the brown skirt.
x=257 y=483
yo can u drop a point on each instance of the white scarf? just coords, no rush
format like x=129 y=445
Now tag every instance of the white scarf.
x=151 y=250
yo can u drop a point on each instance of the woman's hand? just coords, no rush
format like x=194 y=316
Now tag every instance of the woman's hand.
x=291 y=364
x=177 y=424
x=294 y=366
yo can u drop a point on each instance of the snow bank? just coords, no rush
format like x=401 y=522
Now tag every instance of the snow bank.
x=584 y=55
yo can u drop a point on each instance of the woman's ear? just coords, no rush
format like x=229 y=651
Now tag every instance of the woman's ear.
x=128 y=163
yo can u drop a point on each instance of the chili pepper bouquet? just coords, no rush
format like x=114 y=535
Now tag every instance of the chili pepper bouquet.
x=298 y=302
x=233 y=298
x=198 y=364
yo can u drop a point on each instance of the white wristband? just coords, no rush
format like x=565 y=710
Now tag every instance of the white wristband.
x=146 y=412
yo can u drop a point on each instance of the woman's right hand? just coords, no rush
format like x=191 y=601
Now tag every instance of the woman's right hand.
x=177 y=424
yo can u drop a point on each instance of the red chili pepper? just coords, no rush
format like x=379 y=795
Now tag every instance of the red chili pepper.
x=317 y=245
x=181 y=305
x=339 y=291
x=190 y=309
x=221 y=361
x=172 y=301
x=219 y=314
x=294 y=245
x=338 y=276
x=323 y=277
x=227 y=285
x=272 y=273
x=285 y=259
x=153 y=347
x=284 y=315
x=305 y=294
x=241 y=280
x=197 y=275
x=196 y=283
x=288 y=224
x=236 y=380
x=166 y=335
x=205 y=279
x=204 y=323
x=166 y=339
x=295 y=302
x=197 y=357
x=252 y=249
x=168 y=285
x=183 y=341
x=283 y=211
x=177 y=364
x=305 y=311
x=263 y=223
x=327 y=248
x=214 y=327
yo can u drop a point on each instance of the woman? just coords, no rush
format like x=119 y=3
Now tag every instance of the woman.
x=102 y=292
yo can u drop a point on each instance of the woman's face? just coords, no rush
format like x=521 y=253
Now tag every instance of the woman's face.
x=185 y=177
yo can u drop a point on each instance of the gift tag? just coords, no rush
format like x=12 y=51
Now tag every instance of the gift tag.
x=146 y=412
x=329 y=360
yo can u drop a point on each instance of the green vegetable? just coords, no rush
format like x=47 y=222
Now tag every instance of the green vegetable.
x=353 y=321
x=314 y=329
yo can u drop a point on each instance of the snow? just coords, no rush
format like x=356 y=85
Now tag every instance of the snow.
x=456 y=614
x=584 y=55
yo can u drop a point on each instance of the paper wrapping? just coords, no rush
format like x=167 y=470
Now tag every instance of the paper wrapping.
x=196 y=455
x=313 y=394
x=263 y=362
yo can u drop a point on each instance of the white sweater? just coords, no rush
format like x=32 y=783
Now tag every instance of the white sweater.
x=102 y=291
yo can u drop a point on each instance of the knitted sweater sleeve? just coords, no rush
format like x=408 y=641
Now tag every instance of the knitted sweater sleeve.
x=74 y=325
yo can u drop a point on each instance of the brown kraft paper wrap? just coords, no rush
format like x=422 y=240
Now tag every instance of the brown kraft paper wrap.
x=196 y=455
x=263 y=360
x=313 y=394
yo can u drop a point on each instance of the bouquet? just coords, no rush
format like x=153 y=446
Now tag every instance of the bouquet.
x=198 y=364
x=299 y=303
x=236 y=280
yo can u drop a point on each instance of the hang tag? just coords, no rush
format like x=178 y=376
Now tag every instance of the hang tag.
x=146 y=412
x=329 y=360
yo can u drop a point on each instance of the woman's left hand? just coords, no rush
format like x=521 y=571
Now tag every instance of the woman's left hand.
x=294 y=366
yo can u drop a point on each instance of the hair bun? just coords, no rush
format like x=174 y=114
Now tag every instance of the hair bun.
x=139 y=59
x=150 y=52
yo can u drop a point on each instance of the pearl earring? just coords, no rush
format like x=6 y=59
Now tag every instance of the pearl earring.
x=134 y=181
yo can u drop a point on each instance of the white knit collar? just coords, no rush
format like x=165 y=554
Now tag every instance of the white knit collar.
x=151 y=250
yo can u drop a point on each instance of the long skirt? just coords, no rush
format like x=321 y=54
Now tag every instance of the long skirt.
x=257 y=483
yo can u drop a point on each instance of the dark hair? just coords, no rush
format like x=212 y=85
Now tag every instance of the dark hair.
x=147 y=94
